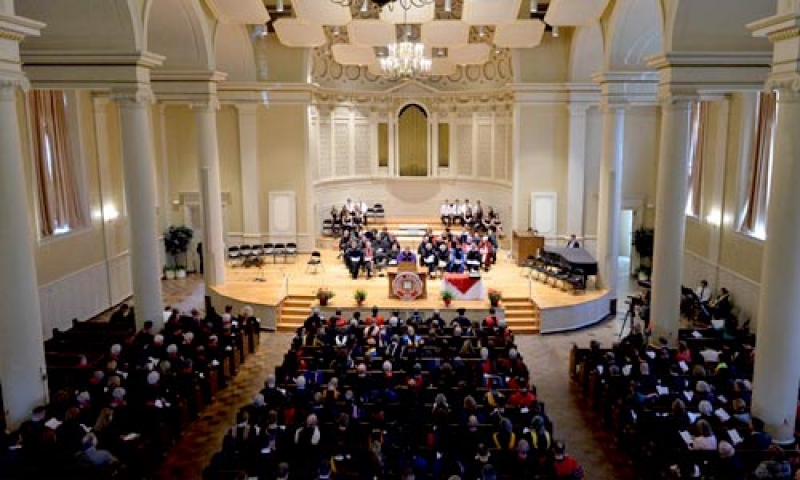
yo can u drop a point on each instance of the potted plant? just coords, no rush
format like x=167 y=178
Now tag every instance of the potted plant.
x=494 y=297
x=643 y=240
x=323 y=295
x=360 y=296
x=169 y=272
x=447 y=297
x=176 y=242
x=644 y=273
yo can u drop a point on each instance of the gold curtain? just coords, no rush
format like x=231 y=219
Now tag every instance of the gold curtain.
x=699 y=120
x=413 y=142
x=383 y=144
x=444 y=145
x=58 y=200
x=757 y=189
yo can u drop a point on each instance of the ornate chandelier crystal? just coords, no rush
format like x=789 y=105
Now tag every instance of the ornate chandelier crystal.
x=405 y=60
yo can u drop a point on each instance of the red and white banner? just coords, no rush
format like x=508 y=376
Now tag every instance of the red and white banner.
x=463 y=287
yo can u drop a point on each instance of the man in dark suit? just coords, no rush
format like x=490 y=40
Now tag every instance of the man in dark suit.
x=573 y=242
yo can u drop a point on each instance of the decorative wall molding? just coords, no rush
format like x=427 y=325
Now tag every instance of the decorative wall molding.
x=744 y=291
x=85 y=293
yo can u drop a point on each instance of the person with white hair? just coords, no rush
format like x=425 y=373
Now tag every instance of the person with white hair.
x=93 y=456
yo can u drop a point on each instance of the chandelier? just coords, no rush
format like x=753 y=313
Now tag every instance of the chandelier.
x=391 y=4
x=405 y=59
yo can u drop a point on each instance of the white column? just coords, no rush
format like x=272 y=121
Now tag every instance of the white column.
x=671 y=192
x=139 y=170
x=22 y=365
x=610 y=196
x=248 y=157
x=210 y=193
x=576 y=167
x=777 y=362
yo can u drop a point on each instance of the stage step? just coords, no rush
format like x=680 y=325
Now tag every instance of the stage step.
x=522 y=315
x=294 y=311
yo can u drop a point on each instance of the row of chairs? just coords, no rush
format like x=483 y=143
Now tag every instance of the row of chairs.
x=274 y=250
x=331 y=227
x=544 y=269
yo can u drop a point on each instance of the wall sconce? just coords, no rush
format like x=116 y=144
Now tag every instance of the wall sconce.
x=714 y=217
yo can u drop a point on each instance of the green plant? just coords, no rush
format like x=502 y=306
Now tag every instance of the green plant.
x=495 y=296
x=360 y=295
x=176 y=242
x=643 y=240
x=324 y=293
x=447 y=295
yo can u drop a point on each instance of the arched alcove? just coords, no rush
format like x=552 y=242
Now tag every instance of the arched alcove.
x=412 y=136
x=715 y=25
x=234 y=52
x=635 y=32
x=586 y=53
x=179 y=30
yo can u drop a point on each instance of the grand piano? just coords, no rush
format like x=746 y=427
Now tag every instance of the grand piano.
x=575 y=261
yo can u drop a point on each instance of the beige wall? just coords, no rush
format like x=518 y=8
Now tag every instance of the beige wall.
x=640 y=163
x=282 y=158
x=542 y=163
x=549 y=62
x=229 y=165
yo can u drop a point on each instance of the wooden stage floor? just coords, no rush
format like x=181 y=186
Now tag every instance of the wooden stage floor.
x=242 y=285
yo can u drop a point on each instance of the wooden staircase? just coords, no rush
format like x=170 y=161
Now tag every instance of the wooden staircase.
x=294 y=311
x=522 y=315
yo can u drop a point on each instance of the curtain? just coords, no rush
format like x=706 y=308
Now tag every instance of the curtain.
x=699 y=120
x=58 y=200
x=754 y=218
x=413 y=138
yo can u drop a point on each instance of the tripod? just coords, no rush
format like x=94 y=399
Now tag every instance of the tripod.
x=630 y=314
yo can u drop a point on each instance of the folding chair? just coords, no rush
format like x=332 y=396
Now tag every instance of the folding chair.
x=315 y=262
x=291 y=251
x=279 y=251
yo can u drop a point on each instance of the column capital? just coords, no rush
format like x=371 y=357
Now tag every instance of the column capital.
x=133 y=97
x=788 y=86
x=9 y=86
x=246 y=108
x=210 y=103
x=578 y=109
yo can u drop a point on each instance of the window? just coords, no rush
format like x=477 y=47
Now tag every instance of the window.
x=697 y=144
x=753 y=219
x=444 y=145
x=60 y=205
x=383 y=144
x=412 y=140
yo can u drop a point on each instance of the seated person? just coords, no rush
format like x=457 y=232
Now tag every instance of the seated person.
x=407 y=256
x=457 y=259
x=428 y=256
x=354 y=257
x=444 y=213
x=721 y=306
x=369 y=259
x=473 y=259
x=573 y=242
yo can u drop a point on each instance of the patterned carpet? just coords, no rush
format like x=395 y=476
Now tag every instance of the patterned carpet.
x=547 y=356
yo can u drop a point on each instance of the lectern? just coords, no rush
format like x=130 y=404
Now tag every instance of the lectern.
x=407 y=281
x=524 y=244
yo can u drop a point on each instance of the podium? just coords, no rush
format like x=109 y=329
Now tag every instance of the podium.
x=407 y=281
x=524 y=244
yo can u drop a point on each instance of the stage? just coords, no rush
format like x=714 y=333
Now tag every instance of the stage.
x=281 y=293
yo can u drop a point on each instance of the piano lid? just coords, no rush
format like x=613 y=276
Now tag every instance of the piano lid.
x=571 y=255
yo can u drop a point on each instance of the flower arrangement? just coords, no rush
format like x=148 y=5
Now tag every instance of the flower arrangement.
x=360 y=295
x=495 y=296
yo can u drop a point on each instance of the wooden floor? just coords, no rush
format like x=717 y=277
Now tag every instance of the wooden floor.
x=242 y=284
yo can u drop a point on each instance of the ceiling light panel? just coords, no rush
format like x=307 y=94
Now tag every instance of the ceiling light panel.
x=519 y=34
x=294 y=33
x=574 y=12
x=322 y=12
x=345 y=54
x=441 y=33
x=471 y=54
x=371 y=33
x=490 y=12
